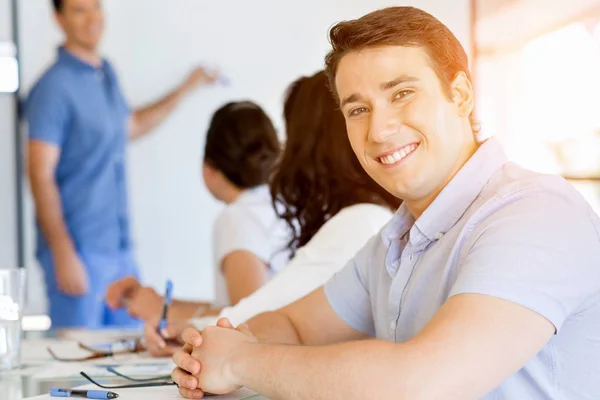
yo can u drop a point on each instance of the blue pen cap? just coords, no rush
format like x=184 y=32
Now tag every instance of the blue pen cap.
x=169 y=292
x=56 y=392
x=98 y=394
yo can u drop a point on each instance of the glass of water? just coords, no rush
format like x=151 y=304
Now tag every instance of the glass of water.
x=12 y=293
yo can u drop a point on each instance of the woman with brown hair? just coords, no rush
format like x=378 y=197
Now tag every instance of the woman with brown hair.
x=329 y=202
x=249 y=238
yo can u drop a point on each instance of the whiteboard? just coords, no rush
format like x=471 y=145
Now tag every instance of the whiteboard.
x=260 y=45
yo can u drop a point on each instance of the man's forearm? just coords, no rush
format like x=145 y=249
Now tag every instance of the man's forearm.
x=147 y=118
x=274 y=327
x=354 y=370
x=49 y=214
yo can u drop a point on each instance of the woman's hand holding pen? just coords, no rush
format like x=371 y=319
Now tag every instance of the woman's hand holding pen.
x=168 y=341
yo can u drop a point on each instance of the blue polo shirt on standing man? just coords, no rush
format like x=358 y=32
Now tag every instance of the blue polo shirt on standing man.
x=80 y=109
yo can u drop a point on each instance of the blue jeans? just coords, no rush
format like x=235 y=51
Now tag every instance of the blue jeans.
x=90 y=310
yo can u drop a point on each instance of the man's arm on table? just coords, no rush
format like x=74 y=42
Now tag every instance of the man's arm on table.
x=308 y=321
x=473 y=344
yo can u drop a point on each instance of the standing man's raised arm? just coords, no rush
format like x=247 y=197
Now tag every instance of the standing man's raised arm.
x=143 y=120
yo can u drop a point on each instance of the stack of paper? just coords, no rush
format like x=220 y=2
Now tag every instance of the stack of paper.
x=139 y=365
x=132 y=368
x=42 y=366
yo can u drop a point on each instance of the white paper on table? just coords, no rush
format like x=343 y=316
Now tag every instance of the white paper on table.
x=143 y=369
x=138 y=366
x=99 y=335
x=23 y=370
x=36 y=351
x=162 y=393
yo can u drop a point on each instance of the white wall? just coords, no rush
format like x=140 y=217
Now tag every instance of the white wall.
x=527 y=19
x=261 y=45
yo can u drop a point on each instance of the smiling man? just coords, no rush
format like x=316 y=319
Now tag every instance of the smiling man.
x=485 y=284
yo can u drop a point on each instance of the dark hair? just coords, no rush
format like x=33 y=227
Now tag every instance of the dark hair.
x=400 y=26
x=242 y=143
x=58 y=5
x=318 y=174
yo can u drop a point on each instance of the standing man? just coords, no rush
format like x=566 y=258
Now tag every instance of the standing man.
x=79 y=126
x=484 y=285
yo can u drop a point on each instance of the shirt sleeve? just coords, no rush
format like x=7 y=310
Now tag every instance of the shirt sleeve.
x=48 y=113
x=300 y=277
x=237 y=230
x=348 y=290
x=541 y=252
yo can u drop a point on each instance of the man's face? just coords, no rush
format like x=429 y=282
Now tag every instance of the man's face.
x=83 y=22
x=407 y=133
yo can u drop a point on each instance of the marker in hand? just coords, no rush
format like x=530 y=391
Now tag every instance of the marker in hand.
x=223 y=80
x=168 y=300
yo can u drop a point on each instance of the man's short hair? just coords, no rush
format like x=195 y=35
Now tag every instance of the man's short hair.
x=399 y=26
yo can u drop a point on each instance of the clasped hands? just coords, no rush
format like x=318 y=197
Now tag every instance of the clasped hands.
x=206 y=361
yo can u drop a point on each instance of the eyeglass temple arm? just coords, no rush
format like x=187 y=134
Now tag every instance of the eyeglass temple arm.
x=158 y=378
x=90 y=357
x=95 y=351
x=135 y=385
x=138 y=347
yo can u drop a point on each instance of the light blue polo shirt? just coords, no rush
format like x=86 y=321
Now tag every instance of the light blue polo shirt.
x=499 y=230
x=80 y=108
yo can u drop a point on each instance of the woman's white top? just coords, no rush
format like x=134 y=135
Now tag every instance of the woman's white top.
x=249 y=223
x=338 y=240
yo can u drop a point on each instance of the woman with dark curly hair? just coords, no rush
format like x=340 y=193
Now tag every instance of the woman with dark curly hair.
x=327 y=199
x=329 y=202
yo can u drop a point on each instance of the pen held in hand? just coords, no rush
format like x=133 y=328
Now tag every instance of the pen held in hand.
x=167 y=303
